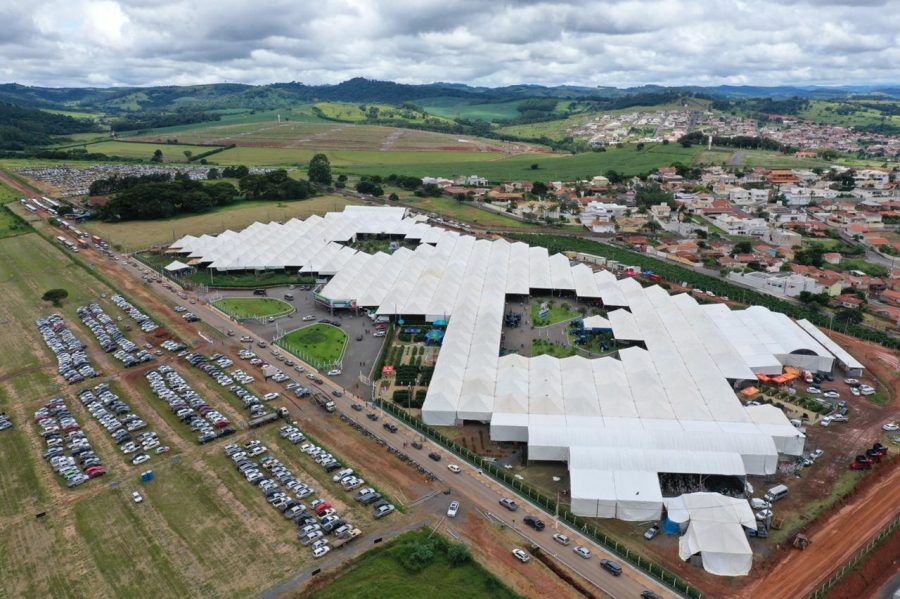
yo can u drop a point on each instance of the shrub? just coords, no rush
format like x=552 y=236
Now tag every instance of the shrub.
x=458 y=555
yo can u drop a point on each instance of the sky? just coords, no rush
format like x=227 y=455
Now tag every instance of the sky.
x=60 y=43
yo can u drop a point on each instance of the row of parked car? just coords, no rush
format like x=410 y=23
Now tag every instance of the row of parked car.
x=74 y=365
x=211 y=366
x=69 y=452
x=187 y=405
x=871 y=457
x=279 y=376
x=5 y=421
x=348 y=479
x=172 y=346
x=121 y=423
x=285 y=492
x=111 y=339
x=145 y=322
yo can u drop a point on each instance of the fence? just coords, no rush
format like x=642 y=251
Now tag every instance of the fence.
x=550 y=505
x=855 y=560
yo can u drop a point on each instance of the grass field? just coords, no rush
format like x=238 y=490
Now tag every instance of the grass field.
x=322 y=343
x=135 y=235
x=392 y=572
x=171 y=152
x=11 y=225
x=343 y=111
x=244 y=308
x=851 y=114
x=557 y=313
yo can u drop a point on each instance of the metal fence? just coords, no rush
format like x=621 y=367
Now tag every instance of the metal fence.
x=858 y=557
x=550 y=505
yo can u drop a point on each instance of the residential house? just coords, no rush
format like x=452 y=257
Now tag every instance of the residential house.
x=832 y=257
x=786 y=284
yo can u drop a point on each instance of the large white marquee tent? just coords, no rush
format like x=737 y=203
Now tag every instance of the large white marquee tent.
x=618 y=422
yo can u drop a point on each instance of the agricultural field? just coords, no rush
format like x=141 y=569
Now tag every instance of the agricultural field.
x=456 y=108
x=331 y=136
x=144 y=151
x=556 y=129
x=136 y=235
x=550 y=167
x=397 y=570
x=10 y=224
x=321 y=343
x=243 y=308
x=354 y=113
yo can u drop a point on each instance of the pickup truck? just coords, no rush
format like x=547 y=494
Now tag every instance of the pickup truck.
x=345 y=537
x=325 y=403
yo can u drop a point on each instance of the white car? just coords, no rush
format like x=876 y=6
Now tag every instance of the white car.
x=758 y=503
x=583 y=551
x=521 y=555
x=454 y=468
x=136 y=497
x=334 y=372
x=321 y=551
x=453 y=509
x=379 y=334
x=308 y=317
x=813 y=390
x=840 y=418
x=762 y=515
x=140 y=459
x=851 y=381
x=891 y=427
x=831 y=394
x=854 y=391
x=825 y=421
x=271 y=396
x=561 y=538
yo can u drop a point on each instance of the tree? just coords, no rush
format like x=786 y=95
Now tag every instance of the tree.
x=458 y=555
x=534 y=166
x=212 y=173
x=742 y=247
x=393 y=197
x=539 y=188
x=849 y=315
x=319 y=171
x=188 y=154
x=157 y=156
x=55 y=296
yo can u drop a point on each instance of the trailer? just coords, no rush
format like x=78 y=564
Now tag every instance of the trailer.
x=324 y=403
x=268 y=417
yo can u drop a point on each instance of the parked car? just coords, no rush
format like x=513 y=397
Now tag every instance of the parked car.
x=383 y=511
x=521 y=555
x=649 y=595
x=651 y=533
x=453 y=509
x=891 y=427
x=435 y=456
x=136 y=497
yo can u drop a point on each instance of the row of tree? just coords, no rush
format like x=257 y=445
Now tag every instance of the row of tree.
x=155 y=200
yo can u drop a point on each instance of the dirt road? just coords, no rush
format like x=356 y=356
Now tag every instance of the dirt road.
x=832 y=542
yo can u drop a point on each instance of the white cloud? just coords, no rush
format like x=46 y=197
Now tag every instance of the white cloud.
x=586 y=42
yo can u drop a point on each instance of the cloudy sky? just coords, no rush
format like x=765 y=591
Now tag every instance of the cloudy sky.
x=480 y=42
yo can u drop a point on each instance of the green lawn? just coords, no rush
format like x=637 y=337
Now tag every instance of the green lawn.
x=454 y=108
x=245 y=308
x=558 y=313
x=320 y=344
x=392 y=571
x=540 y=347
x=11 y=225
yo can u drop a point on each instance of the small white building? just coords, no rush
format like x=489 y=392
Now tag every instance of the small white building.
x=786 y=284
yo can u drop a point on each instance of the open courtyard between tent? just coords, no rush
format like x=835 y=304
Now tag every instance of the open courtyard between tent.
x=244 y=308
x=556 y=312
x=321 y=343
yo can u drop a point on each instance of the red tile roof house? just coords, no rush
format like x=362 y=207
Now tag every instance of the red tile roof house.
x=832 y=257
x=891 y=297
x=847 y=300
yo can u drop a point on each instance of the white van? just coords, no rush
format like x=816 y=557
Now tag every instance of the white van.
x=775 y=493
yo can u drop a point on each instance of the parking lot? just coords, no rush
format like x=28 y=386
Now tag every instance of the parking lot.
x=362 y=347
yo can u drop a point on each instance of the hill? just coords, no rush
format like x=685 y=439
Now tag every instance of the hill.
x=28 y=127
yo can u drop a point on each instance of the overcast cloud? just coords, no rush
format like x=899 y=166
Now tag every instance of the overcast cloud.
x=480 y=42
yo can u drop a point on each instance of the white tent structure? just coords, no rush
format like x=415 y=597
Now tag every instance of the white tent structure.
x=176 y=266
x=716 y=531
x=665 y=405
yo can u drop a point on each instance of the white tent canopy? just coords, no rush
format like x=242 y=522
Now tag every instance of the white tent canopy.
x=176 y=266
x=716 y=531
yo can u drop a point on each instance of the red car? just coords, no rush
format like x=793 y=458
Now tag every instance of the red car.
x=322 y=507
x=860 y=466
x=95 y=471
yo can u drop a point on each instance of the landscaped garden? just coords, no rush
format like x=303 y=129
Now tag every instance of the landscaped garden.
x=321 y=345
x=556 y=312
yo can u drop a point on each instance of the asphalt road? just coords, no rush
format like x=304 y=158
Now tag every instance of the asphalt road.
x=474 y=490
